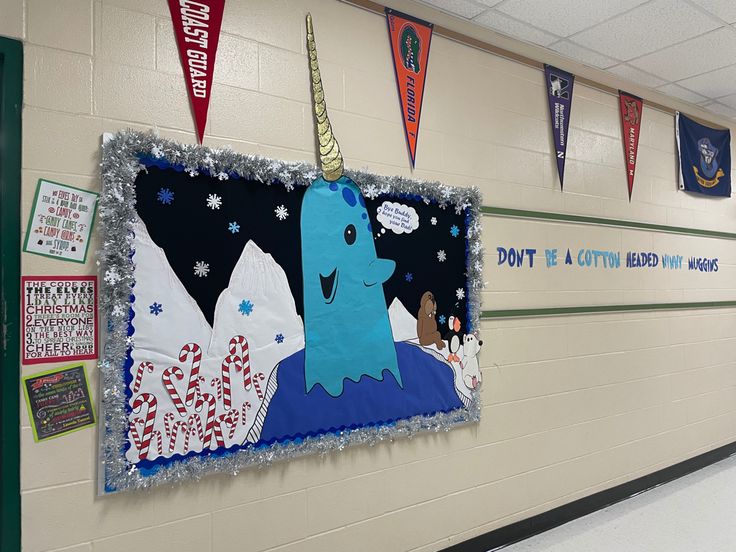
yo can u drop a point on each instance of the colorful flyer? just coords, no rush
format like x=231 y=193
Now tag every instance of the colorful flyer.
x=59 y=318
x=559 y=93
x=197 y=30
x=631 y=108
x=59 y=402
x=410 y=39
x=61 y=222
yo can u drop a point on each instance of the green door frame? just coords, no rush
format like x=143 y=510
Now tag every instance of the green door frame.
x=11 y=103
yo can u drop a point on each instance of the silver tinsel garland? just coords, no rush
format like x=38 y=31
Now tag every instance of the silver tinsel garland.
x=120 y=166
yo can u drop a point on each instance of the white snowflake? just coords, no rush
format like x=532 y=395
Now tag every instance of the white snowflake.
x=117 y=310
x=477 y=247
x=371 y=191
x=460 y=293
x=214 y=201
x=281 y=212
x=222 y=175
x=130 y=341
x=112 y=276
x=157 y=152
x=201 y=269
x=441 y=256
x=433 y=220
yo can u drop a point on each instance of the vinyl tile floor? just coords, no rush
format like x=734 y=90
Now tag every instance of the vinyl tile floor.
x=695 y=513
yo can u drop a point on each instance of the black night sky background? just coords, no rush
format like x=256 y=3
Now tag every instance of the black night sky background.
x=189 y=231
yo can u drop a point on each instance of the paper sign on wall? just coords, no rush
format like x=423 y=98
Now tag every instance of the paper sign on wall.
x=59 y=318
x=559 y=85
x=59 y=402
x=631 y=108
x=410 y=39
x=61 y=222
x=197 y=30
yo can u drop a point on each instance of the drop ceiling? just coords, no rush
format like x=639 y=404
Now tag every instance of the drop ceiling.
x=682 y=48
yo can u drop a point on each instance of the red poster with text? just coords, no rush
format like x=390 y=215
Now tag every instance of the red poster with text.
x=631 y=108
x=197 y=29
x=410 y=39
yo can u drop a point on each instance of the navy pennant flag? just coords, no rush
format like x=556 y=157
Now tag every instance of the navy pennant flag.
x=705 y=157
x=559 y=92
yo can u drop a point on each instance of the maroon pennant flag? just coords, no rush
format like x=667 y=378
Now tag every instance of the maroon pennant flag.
x=631 y=107
x=197 y=29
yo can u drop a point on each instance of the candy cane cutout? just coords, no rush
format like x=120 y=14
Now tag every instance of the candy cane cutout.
x=171 y=389
x=258 y=377
x=195 y=427
x=139 y=374
x=230 y=419
x=229 y=361
x=241 y=343
x=243 y=409
x=149 y=400
x=134 y=432
x=180 y=428
x=168 y=418
x=196 y=352
x=217 y=384
x=201 y=380
x=159 y=442
x=209 y=424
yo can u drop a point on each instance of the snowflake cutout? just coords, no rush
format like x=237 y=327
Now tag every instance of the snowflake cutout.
x=165 y=196
x=157 y=152
x=441 y=319
x=460 y=293
x=408 y=276
x=112 y=276
x=130 y=342
x=433 y=220
x=222 y=175
x=441 y=256
x=281 y=212
x=477 y=247
x=371 y=191
x=279 y=338
x=156 y=308
x=214 y=201
x=245 y=307
x=201 y=269
x=118 y=310
x=233 y=227
x=454 y=230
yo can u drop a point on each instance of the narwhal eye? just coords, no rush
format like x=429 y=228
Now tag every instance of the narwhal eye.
x=350 y=234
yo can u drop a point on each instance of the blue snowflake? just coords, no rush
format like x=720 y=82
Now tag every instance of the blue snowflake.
x=165 y=196
x=156 y=308
x=441 y=319
x=408 y=277
x=234 y=227
x=454 y=230
x=279 y=338
x=245 y=307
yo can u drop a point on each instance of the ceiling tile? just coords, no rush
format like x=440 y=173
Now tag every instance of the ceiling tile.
x=725 y=9
x=730 y=101
x=636 y=76
x=721 y=109
x=565 y=17
x=687 y=58
x=508 y=26
x=489 y=3
x=715 y=84
x=463 y=8
x=589 y=57
x=681 y=93
x=645 y=29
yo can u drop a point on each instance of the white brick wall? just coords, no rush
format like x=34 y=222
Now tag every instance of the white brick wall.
x=571 y=406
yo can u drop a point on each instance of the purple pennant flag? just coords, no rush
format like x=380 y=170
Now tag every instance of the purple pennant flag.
x=559 y=91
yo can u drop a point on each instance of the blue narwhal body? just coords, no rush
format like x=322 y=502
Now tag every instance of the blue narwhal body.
x=346 y=324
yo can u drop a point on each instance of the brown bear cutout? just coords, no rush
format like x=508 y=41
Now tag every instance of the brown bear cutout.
x=426 y=323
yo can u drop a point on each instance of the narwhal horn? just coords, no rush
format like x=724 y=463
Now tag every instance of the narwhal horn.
x=329 y=150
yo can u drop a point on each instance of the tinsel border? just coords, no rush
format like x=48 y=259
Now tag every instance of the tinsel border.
x=121 y=163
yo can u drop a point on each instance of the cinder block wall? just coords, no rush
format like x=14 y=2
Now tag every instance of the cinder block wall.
x=572 y=405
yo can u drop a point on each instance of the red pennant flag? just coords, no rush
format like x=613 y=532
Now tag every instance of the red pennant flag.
x=197 y=29
x=410 y=39
x=631 y=108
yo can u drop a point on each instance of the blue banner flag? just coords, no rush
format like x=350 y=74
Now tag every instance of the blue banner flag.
x=705 y=157
x=559 y=92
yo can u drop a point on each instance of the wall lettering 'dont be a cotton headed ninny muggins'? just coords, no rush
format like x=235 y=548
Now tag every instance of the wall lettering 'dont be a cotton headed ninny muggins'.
x=258 y=310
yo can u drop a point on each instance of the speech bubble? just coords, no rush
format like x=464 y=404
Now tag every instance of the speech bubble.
x=400 y=219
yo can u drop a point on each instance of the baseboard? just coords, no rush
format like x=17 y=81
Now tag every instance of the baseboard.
x=534 y=525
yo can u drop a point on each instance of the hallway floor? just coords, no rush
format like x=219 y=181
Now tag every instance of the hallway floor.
x=696 y=513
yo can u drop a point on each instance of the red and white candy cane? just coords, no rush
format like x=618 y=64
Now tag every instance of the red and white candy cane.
x=209 y=424
x=168 y=418
x=143 y=366
x=196 y=352
x=171 y=388
x=195 y=426
x=217 y=384
x=179 y=428
x=135 y=436
x=201 y=380
x=239 y=347
x=243 y=410
x=149 y=400
x=230 y=419
x=159 y=442
x=226 y=393
x=256 y=379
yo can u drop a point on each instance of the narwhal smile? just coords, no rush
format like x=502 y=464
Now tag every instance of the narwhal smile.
x=329 y=286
